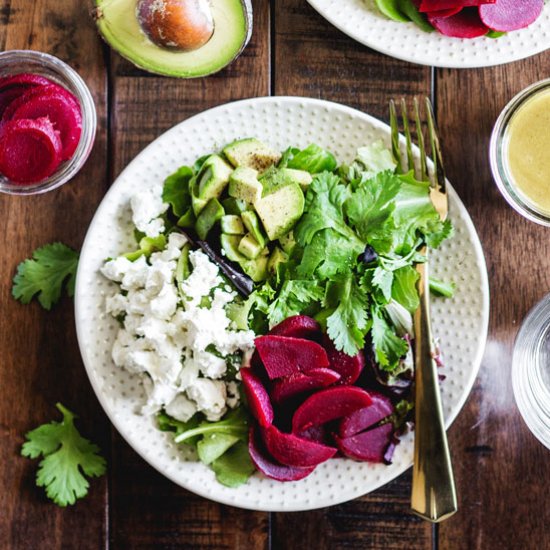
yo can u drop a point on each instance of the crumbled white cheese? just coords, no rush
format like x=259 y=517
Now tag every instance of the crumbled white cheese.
x=209 y=395
x=147 y=206
x=181 y=408
x=233 y=395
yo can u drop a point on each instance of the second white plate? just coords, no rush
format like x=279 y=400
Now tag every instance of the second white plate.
x=460 y=323
x=362 y=21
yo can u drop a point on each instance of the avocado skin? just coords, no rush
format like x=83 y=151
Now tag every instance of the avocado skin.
x=211 y=213
x=213 y=177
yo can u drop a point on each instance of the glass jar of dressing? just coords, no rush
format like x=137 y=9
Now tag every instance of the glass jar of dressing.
x=520 y=152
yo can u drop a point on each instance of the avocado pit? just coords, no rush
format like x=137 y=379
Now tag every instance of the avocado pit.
x=182 y=25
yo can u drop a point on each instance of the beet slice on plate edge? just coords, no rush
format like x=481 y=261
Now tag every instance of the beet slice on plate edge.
x=510 y=15
x=465 y=24
x=268 y=466
x=300 y=382
x=30 y=150
x=363 y=419
x=349 y=367
x=291 y=450
x=369 y=446
x=62 y=109
x=438 y=5
x=327 y=405
x=298 y=326
x=258 y=398
x=283 y=356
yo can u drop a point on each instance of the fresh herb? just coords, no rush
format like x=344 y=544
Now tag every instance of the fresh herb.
x=223 y=445
x=441 y=288
x=45 y=273
x=67 y=459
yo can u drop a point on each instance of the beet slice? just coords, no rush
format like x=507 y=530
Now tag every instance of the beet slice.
x=268 y=466
x=347 y=366
x=510 y=15
x=438 y=5
x=465 y=24
x=326 y=405
x=367 y=446
x=291 y=450
x=319 y=434
x=24 y=79
x=283 y=356
x=60 y=107
x=444 y=13
x=362 y=419
x=298 y=326
x=300 y=382
x=30 y=150
x=257 y=397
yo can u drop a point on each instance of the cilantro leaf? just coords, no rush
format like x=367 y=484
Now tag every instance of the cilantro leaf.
x=388 y=347
x=295 y=297
x=176 y=190
x=372 y=204
x=45 y=274
x=67 y=458
x=323 y=209
x=328 y=253
x=348 y=324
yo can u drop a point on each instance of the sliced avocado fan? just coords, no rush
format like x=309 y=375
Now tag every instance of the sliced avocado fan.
x=118 y=25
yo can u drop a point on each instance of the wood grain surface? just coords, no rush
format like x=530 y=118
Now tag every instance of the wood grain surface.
x=502 y=471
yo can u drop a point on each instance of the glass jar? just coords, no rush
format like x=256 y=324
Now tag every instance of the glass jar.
x=27 y=61
x=531 y=370
x=499 y=155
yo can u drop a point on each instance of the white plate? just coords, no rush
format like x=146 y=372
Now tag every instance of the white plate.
x=461 y=323
x=361 y=20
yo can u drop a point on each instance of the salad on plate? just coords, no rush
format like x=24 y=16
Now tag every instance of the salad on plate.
x=267 y=305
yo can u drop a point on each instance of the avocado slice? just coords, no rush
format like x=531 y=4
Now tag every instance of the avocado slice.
x=117 y=23
x=280 y=210
x=256 y=269
x=251 y=153
x=232 y=225
x=250 y=247
x=287 y=242
x=235 y=206
x=213 y=177
x=279 y=177
x=230 y=246
x=244 y=184
x=252 y=223
x=208 y=217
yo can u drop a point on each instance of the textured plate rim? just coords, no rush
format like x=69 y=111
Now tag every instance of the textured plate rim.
x=448 y=64
x=88 y=363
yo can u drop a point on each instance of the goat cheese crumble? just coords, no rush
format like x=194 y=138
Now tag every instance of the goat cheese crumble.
x=180 y=341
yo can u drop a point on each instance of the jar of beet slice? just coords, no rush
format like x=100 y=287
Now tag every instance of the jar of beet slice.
x=47 y=122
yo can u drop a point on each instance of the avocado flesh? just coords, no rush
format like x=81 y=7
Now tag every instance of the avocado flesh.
x=118 y=24
x=251 y=153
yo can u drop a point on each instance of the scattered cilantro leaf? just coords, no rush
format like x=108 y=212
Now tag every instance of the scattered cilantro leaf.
x=176 y=190
x=67 y=459
x=389 y=348
x=348 y=324
x=383 y=279
x=45 y=273
x=295 y=297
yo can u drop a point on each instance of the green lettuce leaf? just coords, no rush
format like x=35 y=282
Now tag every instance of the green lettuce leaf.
x=313 y=159
x=176 y=190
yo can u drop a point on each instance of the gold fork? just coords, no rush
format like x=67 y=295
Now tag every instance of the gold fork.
x=433 y=495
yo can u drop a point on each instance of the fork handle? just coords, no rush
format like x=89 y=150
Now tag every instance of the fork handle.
x=433 y=494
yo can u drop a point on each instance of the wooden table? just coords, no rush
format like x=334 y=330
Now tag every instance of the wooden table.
x=502 y=471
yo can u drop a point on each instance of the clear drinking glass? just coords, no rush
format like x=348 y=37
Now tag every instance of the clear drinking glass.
x=28 y=61
x=531 y=370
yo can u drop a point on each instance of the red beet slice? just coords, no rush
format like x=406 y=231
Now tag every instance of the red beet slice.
x=347 y=366
x=363 y=419
x=300 y=382
x=283 y=356
x=318 y=434
x=444 y=13
x=327 y=405
x=268 y=465
x=298 y=326
x=291 y=450
x=24 y=79
x=30 y=150
x=258 y=399
x=465 y=24
x=510 y=15
x=438 y=5
x=60 y=107
x=367 y=446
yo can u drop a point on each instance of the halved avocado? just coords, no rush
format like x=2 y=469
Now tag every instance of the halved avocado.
x=118 y=25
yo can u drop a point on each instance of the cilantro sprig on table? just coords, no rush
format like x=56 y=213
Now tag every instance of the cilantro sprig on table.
x=362 y=207
x=45 y=274
x=67 y=459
